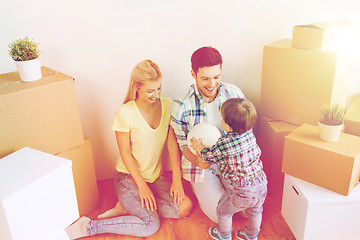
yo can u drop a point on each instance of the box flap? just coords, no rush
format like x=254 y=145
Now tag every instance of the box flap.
x=24 y=167
x=10 y=82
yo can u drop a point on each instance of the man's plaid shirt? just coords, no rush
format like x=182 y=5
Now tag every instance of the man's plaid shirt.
x=187 y=111
x=237 y=155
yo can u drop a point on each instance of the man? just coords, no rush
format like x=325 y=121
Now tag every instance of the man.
x=201 y=104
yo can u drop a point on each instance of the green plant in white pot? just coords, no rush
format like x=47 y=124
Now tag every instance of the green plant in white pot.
x=25 y=52
x=331 y=122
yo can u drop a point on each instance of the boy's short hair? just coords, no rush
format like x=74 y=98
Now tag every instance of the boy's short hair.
x=205 y=57
x=239 y=113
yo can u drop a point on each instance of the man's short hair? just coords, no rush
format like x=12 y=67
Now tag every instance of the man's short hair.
x=205 y=57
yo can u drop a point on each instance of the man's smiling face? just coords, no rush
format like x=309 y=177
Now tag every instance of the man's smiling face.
x=208 y=81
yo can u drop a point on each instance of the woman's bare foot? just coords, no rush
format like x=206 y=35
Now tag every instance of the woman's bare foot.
x=78 y=228
x=116 y=211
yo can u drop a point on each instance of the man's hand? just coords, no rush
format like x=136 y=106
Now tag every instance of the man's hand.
x=202 y=163
x=177 y=192
x=195 y=143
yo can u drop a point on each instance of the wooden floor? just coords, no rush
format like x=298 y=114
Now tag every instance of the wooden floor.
x=196 y=225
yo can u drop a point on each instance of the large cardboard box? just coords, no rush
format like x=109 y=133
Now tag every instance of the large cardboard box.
x=37 y=195
x=271 y=138
x=352 y=118
x=84 y=177
x=331 y=165
x=296 y=82
x=322 y=36
x=313 y=212
x=42 y=114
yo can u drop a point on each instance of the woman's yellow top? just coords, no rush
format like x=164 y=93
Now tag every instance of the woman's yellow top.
x=146 y=143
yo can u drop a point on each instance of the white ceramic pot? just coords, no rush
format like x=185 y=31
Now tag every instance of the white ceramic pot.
x=330 y=133
x=29 y=70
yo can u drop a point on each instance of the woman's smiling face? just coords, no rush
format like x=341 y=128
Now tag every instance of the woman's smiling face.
x=150 y=91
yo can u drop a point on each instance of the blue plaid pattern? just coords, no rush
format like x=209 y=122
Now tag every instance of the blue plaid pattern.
x=187 y=111
x=237 y=155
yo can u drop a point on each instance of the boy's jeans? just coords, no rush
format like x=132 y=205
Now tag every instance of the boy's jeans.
x=248 y=196
x=140 y=222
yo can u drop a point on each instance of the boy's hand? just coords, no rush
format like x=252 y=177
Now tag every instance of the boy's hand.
x=195 y=143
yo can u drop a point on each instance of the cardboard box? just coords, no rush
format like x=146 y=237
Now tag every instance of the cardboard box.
x=296 y=82
x=313 y=212
x=84 y=177
x=42 y=114
x=271 y=139
x=331 y=165
x=37 y=194
x=352 y=118
x=322 y=36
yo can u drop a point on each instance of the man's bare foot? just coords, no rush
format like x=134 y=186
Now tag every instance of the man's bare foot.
x=78 y=228
x=116 y=211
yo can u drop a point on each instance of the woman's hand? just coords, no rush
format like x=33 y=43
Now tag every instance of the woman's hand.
x=147 y=198
x=177 y=192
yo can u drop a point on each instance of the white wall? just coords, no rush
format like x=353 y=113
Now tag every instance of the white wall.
x=98 y=43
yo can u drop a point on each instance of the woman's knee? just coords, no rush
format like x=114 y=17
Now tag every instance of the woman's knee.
x=152 y=225
x=186 y=207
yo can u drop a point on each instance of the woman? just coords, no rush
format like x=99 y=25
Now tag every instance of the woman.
x=142 y=129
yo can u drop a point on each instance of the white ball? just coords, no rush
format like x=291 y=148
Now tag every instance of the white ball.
x=208 y=133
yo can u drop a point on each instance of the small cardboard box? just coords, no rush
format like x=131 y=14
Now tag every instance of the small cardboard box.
x=84 y=177
x=42 y=114
x=352 y=118
x=296 y=82
x=331 y=165
x=322 y=36
x=37 y=195
x=313 y=212
x=271 y=137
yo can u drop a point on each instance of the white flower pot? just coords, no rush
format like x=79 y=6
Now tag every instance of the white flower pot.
x=29 y=70
x=330 y=133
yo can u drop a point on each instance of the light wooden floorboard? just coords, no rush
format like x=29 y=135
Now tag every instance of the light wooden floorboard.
x=196 y=225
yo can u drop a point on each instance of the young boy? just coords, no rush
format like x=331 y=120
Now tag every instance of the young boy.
x=238 y=158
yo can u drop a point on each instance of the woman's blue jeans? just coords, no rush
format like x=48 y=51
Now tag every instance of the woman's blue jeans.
x=139 y=221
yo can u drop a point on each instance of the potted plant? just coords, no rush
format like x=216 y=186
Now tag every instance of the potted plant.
x=331 y=122
x=25 y=52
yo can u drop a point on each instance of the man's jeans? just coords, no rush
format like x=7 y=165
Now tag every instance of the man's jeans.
x=139 y=221
x=209 y=192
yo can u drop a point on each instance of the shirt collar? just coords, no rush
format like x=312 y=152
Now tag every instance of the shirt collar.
x=201 y=99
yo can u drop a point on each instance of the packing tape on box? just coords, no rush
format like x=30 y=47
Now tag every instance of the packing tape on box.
x=339 y=141
x=12 y=83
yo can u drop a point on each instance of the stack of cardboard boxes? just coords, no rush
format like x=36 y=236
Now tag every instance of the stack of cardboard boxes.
x=298 y=76
x=44 y=115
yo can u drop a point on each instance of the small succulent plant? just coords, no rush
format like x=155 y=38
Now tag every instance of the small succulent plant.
x=332 y=114
x=24 y=49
